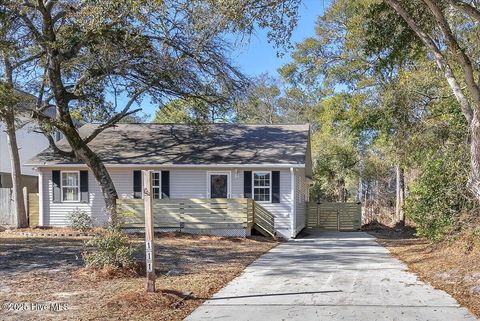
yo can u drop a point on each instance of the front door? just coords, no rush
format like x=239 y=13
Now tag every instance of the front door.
x=218 y=185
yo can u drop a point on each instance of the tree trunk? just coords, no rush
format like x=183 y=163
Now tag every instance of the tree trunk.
x=85 y=154
x=103 y=177
x=16 y=173
x=341 y=190
x=470 y=110
x=360 y=190
x=474 y=179
x=400 y=198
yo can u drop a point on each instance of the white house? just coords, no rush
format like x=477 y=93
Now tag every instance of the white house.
x=270 y=164
x=30 y=143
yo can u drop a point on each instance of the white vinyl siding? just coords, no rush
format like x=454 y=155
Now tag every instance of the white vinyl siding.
x=188 y=183
x=282 y=210
x=300 y=199
x=184 y=183
x=192 y=183
x=55 y=214
x=30 y=141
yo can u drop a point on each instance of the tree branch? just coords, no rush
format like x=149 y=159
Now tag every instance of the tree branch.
x=441 y=61
x=37 y=114
x=31 y=27
x=116 y=118
x=55 y=148
x=466 y=9
x=28 y=59
x=458 y=52
x=49 y=5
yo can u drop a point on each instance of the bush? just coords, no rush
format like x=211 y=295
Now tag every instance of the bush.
x=112 y=249
x=437 y=197
x=80 y=220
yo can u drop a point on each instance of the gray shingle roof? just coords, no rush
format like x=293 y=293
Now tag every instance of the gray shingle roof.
x=168 y=144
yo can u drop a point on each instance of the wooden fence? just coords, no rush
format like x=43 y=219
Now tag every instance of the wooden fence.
x=334 y=216
x=188 y=213
x=199 y=214
x=33 y=209
x=8 y=213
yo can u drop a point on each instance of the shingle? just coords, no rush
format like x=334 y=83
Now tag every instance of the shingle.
x=169 y=144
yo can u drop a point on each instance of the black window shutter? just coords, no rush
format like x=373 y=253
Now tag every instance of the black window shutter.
x=247 y=184
x=57 y=195
x=84 y=186
x=137 y=184
x=165 y=184
x=276 y=187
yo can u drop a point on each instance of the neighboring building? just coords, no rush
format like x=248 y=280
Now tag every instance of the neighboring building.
x=30 y=143
x=268 y=163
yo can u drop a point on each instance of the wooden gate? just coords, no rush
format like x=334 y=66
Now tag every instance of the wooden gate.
x=334 y=216
x=33 y=209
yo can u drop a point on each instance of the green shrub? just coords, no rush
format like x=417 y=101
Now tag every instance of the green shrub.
x=437 y=197
x=80 y=220
x=112 y=249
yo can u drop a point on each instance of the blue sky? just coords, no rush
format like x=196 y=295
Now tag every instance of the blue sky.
x=259 y=56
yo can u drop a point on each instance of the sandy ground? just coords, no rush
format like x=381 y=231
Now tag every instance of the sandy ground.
x=42 y=278
x=452 y=265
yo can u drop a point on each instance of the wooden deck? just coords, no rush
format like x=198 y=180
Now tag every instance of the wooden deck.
x=199 y=214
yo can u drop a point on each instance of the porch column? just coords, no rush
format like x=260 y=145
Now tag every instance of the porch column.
x=40 y=197
x=293 y=209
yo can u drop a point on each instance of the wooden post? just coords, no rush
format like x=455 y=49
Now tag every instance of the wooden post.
x=149 y=240
x=40 y=198
x=25 y=203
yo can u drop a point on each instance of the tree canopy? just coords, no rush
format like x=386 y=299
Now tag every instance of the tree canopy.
x=101 y=58
x=388 y=130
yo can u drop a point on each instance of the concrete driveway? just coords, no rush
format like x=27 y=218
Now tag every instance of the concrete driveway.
x=329 y=276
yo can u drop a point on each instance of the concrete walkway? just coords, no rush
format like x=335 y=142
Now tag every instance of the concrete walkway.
x=329 y=276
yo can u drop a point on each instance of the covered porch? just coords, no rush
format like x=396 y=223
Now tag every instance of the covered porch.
x=216 y=216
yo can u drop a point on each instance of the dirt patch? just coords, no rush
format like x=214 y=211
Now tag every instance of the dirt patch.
x=452 y=265
x=19 y=255
x=54 y=232
x=46 y=278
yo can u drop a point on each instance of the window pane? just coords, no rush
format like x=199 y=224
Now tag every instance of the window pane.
x=70 y=193
x=267 y=180
x=261 y=179
x=261 y=194
x=155 y=179
x=70 y=179
x=156 y=193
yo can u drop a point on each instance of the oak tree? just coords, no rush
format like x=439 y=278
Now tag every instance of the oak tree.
x=118 y=53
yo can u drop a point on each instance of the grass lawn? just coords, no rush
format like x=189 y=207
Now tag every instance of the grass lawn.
x=452 y=265
x=43 y=270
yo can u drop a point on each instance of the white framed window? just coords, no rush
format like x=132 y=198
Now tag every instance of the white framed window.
x=70 y=186
x=262 y=186
x=157 y=185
